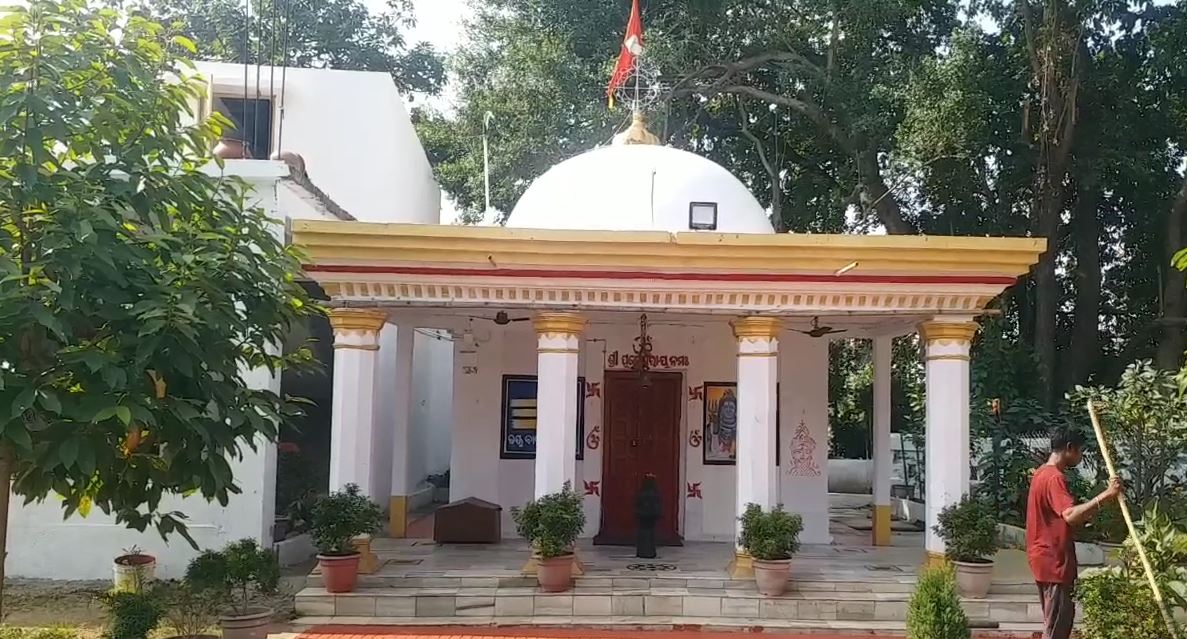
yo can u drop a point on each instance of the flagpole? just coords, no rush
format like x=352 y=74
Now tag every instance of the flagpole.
x=638 y=67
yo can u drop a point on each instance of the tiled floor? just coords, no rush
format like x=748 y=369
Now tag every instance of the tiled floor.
x=374 y=632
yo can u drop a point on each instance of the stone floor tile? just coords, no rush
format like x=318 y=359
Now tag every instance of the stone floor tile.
x=514 y=606
x=739 y=607
x=315 y=606
x=553 y=605
x=592 y=605
x=855 y=610
x=627 y=604
x=663 y=605
x=435 y=606
x=778 y=609
x=474 y=606
x=395 y=606
x=354 y=605
x=702 y=606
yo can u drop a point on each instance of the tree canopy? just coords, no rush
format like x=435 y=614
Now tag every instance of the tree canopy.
x=335 y=34
x=1055 y=118
x=137 y=289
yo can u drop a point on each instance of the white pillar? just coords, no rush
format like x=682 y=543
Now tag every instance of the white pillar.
x=883 y=455
x=558 y=337
x=352 y=422
x=758 y=377
x=402 y=482
x=946 y=462
x=803 y=437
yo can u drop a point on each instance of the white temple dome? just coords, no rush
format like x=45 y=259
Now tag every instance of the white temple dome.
x=638 y=187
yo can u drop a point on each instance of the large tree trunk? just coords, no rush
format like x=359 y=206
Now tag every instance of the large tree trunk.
x=6 y=463
x=1057 y=62
x=1174 y=297
x=1085 y=341
x=879 y=196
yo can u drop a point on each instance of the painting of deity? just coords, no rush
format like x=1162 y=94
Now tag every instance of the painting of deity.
x=721 y=423
x=720 y=438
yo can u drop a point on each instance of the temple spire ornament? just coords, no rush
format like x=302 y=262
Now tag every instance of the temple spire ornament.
x=637 y=133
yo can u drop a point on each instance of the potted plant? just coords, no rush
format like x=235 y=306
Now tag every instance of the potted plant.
x=190 y=614
x=335 y=521
x=969 y=531
x=934 y=611
x=131 y=614
x=133 y=569
x=552 y=524
x=771 y=538
x=235 y=578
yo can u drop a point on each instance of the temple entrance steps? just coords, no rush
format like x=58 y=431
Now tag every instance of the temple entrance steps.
x=652 y=600
x=419 y=583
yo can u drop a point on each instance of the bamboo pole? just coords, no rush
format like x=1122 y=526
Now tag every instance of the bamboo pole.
x=1133 y=533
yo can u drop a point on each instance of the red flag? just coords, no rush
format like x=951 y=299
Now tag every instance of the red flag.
x=632 y=48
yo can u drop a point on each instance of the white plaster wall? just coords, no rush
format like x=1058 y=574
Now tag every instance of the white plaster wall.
x=385 y=414
x=803 y=368
x=478 y=471
x=353 y=130
x=432 y=405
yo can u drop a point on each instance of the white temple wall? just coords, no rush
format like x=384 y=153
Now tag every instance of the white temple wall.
x=706 y=492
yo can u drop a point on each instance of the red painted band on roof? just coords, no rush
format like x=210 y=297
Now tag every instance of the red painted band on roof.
x=645 y=275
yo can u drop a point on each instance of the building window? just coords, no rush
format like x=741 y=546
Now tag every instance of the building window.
x=702 y=216
x=253 y=122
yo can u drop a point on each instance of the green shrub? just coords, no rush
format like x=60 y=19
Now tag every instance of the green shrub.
x=190 y=612
x=934 y=610
x=234 y=576
x=969 y=531
x=132 y=615
x=552 y=522
x=52 y=632
x=770 y=536
x=1100 y=592
x=339 y=517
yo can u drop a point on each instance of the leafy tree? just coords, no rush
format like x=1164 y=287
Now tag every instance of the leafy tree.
x=1146 y=416
x=912 y=116
x=335 y=34
x=136 y=289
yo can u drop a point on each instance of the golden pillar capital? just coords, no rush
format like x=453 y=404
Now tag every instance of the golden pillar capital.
x=357 y=319
x=558 y=324
x=941 y=332
x=357 y=328
x=756 y=327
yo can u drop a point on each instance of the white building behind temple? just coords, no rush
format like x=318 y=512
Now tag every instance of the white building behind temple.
x=362 y=158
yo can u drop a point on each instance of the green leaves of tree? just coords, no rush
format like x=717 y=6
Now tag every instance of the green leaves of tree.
x=122 y=263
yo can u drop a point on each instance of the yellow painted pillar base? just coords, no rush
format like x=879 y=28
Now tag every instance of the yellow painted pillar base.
x=397 y=518
x=934 y=559
x=881 y=525
x=369 y=562
x=742 y=565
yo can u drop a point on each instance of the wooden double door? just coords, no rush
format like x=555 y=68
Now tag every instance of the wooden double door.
x=642 y=436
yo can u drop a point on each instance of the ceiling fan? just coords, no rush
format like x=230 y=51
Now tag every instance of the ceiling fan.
x=502 y=319
x=819 y=331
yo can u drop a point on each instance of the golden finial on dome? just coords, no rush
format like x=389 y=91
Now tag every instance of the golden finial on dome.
x=637 y=133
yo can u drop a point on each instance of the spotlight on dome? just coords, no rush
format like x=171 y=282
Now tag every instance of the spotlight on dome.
x=702 y=216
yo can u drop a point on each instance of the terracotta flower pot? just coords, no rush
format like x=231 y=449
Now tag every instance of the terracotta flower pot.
x=253 y=624
x=771 y=576
x=232 y=149
x=555 y=574
x=339 y=573
x=973 y=579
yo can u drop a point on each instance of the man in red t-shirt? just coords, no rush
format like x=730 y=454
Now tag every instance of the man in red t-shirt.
x=1051 y=514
